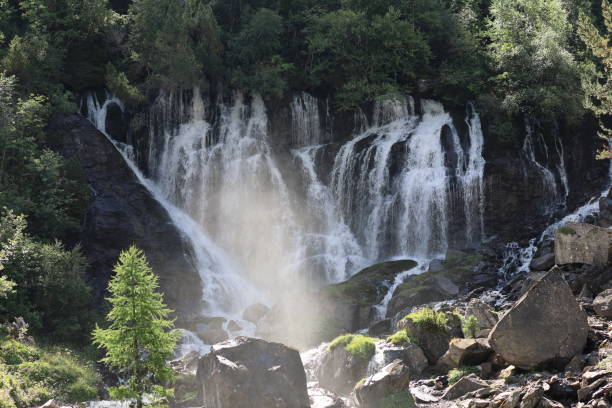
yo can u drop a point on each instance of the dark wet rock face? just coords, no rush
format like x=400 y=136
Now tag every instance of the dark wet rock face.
x=546 y=325
x=246 y=372
x=123 y=213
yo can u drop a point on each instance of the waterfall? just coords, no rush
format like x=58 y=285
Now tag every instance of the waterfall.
x=225 y=292
x=405 y=212
x=550 y=167
x=320 y=213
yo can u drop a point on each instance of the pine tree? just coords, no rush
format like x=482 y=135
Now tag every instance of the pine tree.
x=139 y=339
x=598 y=86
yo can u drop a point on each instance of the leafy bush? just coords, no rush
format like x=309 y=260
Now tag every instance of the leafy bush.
x=50 y=292
x=13 y=352
x=429 y=319
x=469 y=327
x=357 y=345
x=400 y=337
x=456 y=374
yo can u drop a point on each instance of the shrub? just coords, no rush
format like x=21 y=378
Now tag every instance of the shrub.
x=357 y=345
x=13 y=352
x=456 y=374
x=400 y=337
x=429 y=319
x=70 y=379
x=469 y=327
x=30 y=376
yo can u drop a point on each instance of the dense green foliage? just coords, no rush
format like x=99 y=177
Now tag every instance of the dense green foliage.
x=139 y=339
x=31 y=375
x=399 y=337
x=428 y=319
x=357 y=345
x=50 y=292
x=598 y=85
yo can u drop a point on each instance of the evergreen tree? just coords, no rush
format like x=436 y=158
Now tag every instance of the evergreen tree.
x=598 y=86
x=138 y=340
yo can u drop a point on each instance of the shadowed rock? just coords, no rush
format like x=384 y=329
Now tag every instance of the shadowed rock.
x=545 y=325
x=248 y=373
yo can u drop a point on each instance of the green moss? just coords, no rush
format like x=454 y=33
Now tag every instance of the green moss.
x=456 y=374
x=566 y=231
x=430 y=320
x=402 y=399
x=364 y=287
x=357 y=345
x=400 y=337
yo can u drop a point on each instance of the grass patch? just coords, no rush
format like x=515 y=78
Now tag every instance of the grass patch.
x=566 y=231
x=456 y=374
x=429 y=320
x=400 y=337
x=31 y=375
x=357 y=345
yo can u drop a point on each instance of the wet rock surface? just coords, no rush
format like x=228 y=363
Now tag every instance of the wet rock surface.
x=246 y=373
x=123 y=213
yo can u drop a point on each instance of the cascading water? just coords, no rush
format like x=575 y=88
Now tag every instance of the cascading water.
x=225 y=292
x=406 y=212
x=390 y=193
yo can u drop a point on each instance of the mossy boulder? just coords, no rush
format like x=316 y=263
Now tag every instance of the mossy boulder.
x=350 y=304
x=365 y=287
x=444 y=280
x=431 y=330
x=346 y=362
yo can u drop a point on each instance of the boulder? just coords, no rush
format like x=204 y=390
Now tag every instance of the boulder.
x=444 y=280
x=409 y=354
x=543 y=263
x=233 y=326
x=247 y=372
x=602 y=305
x=349 y=304
x=532 y=396
x=484 y=314
x=466 y=384
x=340 y=371
x=463 y=352
x=433 y=341
x=544 y=325
x=583 y=244
x=255 y=312
x=211 y=335
x=390 y=384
